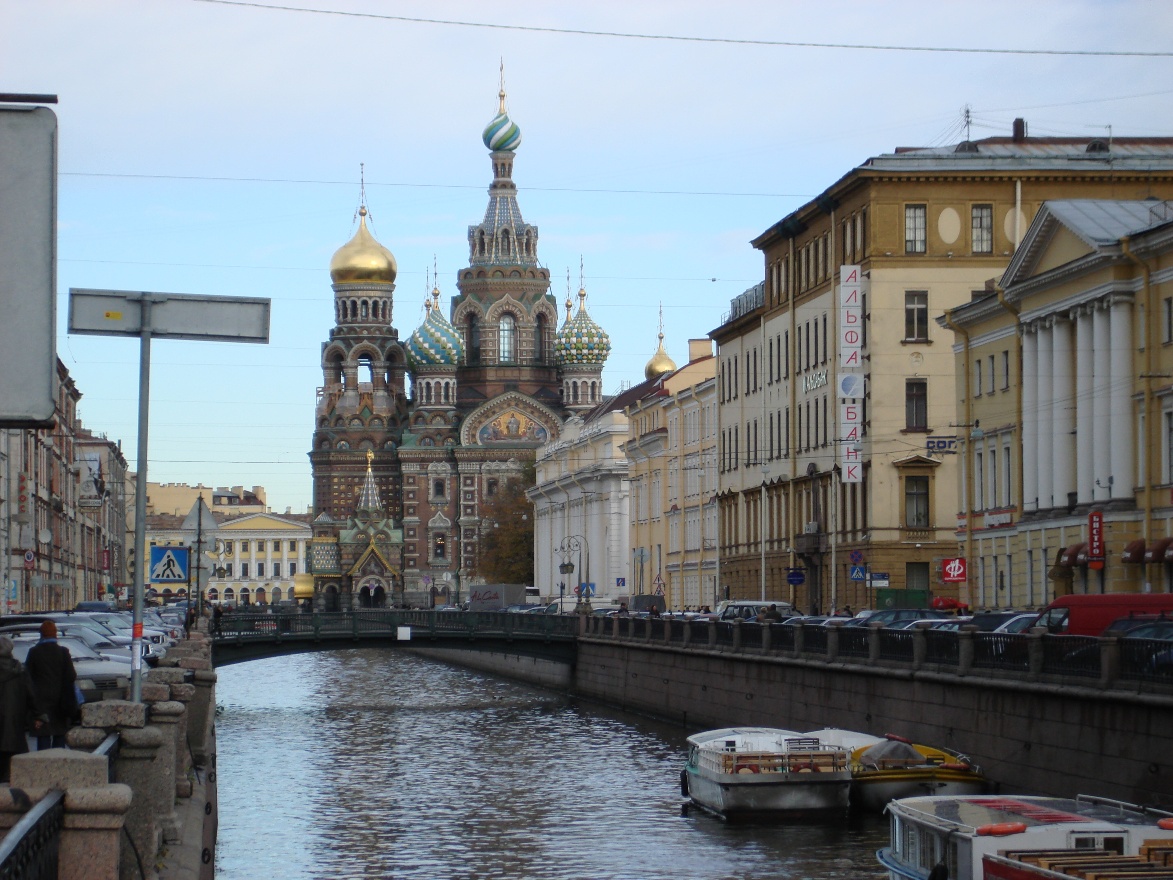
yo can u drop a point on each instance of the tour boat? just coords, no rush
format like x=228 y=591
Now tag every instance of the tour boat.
x=764 y=771
x=1013 y=837
x=892 y=767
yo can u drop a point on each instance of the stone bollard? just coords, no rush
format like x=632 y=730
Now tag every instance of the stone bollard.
x=138 y=765
x=712 y=627
x=767 y=636
x=95 y=809
x=965 y=649
x=177 y=689
x=874 y=630
x=1034 y=652
x=1109 y=659
x=736 y=634
x=833 y=640
x=166 y=715
x=201 y=709
x=920 y=645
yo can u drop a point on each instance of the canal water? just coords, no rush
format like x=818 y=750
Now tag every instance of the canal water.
x=370 y=763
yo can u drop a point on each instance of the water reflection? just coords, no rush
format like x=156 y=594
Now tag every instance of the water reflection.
x=375 y=763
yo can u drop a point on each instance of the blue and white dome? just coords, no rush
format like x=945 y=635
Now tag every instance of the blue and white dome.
x=435 y=343
x=502 y=133
x=581 y=342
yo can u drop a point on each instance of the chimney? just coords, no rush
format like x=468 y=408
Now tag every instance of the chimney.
x=699 y=348
x=1019 y=130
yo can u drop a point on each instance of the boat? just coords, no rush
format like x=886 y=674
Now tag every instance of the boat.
x=892 y=767
x=739 y=772
x=1025 y=837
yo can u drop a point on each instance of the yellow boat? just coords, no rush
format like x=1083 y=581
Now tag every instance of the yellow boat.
x=896 y=768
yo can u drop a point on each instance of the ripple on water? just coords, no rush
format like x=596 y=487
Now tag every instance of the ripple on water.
x=373 y=763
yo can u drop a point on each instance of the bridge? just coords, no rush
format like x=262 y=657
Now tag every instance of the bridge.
x=252 y=636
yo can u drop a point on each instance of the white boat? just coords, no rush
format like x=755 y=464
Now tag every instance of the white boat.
x=1013 y=837
x=765 y=771
x=893 y=767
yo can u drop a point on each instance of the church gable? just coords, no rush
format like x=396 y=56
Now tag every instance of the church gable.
x=511 y=420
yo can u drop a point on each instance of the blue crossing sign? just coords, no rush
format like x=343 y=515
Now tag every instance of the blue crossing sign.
x=795 y=577
x=169 y=565
x=857 y=573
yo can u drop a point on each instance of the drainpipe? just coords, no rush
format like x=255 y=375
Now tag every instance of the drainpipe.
x=792 y=380
x=1152 y=425
x=966 y=464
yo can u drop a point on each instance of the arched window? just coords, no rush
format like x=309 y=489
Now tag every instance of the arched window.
x=440 y=546
x=473 y=338
x=507 y=330
x=540 y=340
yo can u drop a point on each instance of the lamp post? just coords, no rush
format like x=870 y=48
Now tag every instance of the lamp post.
x=577 y=544
x=762 y=536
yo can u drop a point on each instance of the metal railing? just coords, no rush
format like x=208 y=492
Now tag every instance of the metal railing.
x=29 y=849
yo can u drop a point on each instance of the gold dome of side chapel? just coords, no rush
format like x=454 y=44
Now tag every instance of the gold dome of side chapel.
x=660 y=362
x=362 y=259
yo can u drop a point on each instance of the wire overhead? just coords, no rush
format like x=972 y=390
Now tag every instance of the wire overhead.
x=789 y=44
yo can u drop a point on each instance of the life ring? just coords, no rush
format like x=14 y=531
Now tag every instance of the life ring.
x=1165 y=824
x=954 y=766
x=746 y=768
x=894 y=738
x=1001 y=829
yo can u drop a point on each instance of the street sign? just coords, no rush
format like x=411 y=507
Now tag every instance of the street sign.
x=169 y=565
x=858 y=573
x=621 y=582
x=1095 y=544
x=879 y=578
x=30 y=560
x=659 y=581
x=856 y=557
x=28 y=265
x=795 y=577
x=587 y=590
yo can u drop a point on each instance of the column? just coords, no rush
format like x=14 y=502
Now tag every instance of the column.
x=1063 y=414
x=1085 y=406
x=1045 y=438
x=1030 y=422
x=1122 y=418
x=1101 y=395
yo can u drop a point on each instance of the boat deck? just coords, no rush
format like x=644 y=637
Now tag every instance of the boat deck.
x=1155 y=862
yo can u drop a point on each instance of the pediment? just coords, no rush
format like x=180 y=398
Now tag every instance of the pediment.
x=512 y=419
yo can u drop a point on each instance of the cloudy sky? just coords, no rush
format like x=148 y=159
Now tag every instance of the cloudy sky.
x=214 y=147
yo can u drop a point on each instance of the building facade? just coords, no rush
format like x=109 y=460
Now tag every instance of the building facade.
x=1063 y=372
x=672 y=447
x=450 y=414
x=65 y=516
x=928 y=228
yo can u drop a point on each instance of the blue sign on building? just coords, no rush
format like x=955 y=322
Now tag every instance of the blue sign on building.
x=795 y=577
x=169 y=565
x=857 y=573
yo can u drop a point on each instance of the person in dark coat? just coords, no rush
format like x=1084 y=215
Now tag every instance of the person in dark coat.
x=55 y=700
x=16 y=707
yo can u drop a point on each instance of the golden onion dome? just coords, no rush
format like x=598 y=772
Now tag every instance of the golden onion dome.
x=660 y=362
x=303 y=586
x=362 y=259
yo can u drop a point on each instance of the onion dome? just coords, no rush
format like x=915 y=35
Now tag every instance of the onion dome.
x=362 y=259
x=660 y=363
x=502 y=132
x=435 y=343
x=581 y=342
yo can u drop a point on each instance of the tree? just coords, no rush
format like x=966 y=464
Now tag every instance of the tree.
x=507 y=533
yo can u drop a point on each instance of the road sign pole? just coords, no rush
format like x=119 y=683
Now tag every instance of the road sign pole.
x=140 y=502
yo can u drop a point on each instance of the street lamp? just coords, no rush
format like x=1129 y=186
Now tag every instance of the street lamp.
x=576 y=544
x=566 y=568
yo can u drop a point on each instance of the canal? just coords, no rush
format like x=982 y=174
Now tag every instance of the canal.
x=379 y=764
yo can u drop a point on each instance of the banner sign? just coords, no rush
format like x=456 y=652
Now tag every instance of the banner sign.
x=850 y=383
x=1095 y=540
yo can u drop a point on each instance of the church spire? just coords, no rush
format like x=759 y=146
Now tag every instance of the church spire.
x=368 y=497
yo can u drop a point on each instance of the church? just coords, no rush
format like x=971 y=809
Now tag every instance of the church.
x=412 y=437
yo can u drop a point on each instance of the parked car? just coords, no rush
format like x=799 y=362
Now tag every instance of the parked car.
x=98 y=677
x=746 y=609
x=1019 y=623
x=888 y=616
x=93 y=639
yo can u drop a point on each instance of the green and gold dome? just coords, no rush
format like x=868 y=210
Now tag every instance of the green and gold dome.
x=581 y=342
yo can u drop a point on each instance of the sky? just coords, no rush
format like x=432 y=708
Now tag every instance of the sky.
x=214 y=147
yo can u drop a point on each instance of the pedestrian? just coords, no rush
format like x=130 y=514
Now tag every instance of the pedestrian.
x=16 y=707
x=55 y=696
x=773 y=615
x=654 y=611
x=217 y=613
x=623 y=612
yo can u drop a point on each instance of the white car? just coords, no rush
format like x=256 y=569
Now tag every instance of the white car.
x=99 y=678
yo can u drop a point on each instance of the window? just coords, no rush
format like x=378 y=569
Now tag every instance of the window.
x=507 y=330
x=982 y=227
x=914 y=229
x=276 y=569
x=440 y=546
x=916 y=315
x=244 y=546
x=228 y=569
x=260 y=569
x=979 y=479
x=244 y=569
x=916 y=502
x=991 y=391
x=438 y=488
x=916 y=404
x=977 y=378
x=916 y=577
x=228 y=548
x=1005 y=370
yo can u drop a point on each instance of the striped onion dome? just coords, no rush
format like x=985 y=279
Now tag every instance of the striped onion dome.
x=435 y=343
x=502 y=132
x=581 y=342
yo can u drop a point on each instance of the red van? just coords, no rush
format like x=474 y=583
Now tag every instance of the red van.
x=1089 y=614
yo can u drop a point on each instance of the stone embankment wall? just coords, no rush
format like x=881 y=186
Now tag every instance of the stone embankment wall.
x=533 y=670
x=150 y=811
x=1028 y=736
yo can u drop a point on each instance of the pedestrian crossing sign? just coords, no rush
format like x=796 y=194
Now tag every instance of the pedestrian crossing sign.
x=169 y=565
x=857 y=573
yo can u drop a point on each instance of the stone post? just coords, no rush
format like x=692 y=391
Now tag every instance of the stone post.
x=166 y=715
x=712 y=624
x=799 y=633
x=170 y=684
x=736 y=634
x=965 y=649
x=874 y=630
x=94 y=809
x=1034 y=652
x=1109 y=659
x=202 y=709
x=767 y=636
x=920 y=645
x=833 y=640
x=686 y=635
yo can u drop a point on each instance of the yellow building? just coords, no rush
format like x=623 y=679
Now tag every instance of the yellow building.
x=1066 y=379
x=248 y=560
x=672 y=449
x=929 y=228
x=178 y=499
